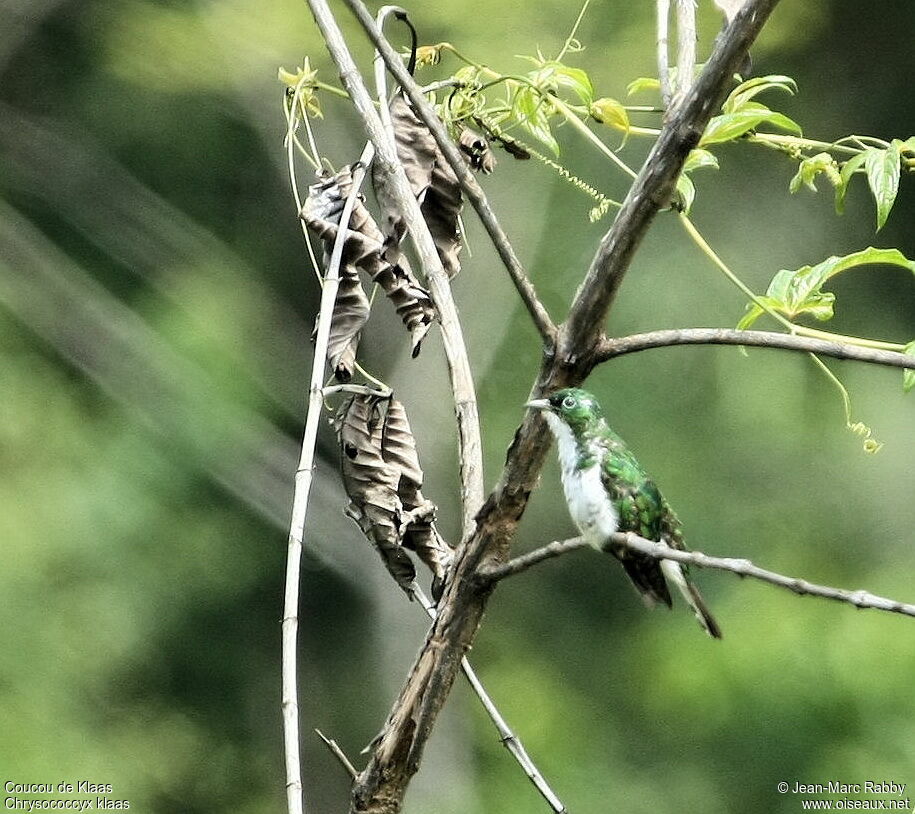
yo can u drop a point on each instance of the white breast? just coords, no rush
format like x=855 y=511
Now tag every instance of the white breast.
x=590 y=507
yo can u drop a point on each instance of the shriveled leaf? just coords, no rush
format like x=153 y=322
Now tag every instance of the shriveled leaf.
x=321 y=212
x=882 y=167
x=441 y=210
x=417 y=151
x=908 y=376
x=610 y=112
x=477 y=150
x=365 y=250
x=417 y=521
x=382 y=478
x=371 y=484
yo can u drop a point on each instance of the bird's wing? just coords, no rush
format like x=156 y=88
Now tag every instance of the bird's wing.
x=638 y=504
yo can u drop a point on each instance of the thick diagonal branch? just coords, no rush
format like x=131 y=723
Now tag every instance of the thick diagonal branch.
x=620 y=346
x=741 y=567
x=398 y=750
x=386 y=161
x=472 y=189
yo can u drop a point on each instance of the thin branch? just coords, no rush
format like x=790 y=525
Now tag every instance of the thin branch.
x=741 y=567
x=303 y=480
x=387 y=162
x=472 y=189
x=686 y=47
x=521 y=563
x=611 y=348
x=662 y=10
x=509 y=740
x=338 y=753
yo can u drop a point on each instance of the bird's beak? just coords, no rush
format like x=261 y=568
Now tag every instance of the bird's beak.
x=538 y=404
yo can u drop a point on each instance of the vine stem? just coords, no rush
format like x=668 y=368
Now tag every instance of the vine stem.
x=303 y=479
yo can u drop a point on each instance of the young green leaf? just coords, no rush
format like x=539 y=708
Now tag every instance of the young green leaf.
x=849 y=168
x=610 y=112
x=908 y=376
x=799 y=292
x=641 y=84
x=882 y=167
x=811 y=167
x=686 y=189
x=699 y=159
x=730 y=126
x=744 y=92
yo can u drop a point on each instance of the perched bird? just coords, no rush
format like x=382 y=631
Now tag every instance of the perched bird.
x=608 y=491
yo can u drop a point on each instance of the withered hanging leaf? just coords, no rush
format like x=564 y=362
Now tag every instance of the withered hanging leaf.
x=382 y=477
x=363 y=250
x=417 y=151
x=476 y=148
x=321 y=212
x=433 y=183
x=417 y=524
x=441 y=210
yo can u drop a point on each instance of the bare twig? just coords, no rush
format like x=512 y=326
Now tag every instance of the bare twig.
x=662 y=10
x=303 y=480
x=620 y=346
x=472 y=189
x=509 y=740
x=516 y=565
x=465 y=404
x=338 y=753
x=739 y=566
x=686 y=47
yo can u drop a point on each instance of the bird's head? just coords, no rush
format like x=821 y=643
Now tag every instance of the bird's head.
x=574 y=407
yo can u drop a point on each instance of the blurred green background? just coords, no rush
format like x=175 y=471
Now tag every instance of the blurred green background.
x=155 y=307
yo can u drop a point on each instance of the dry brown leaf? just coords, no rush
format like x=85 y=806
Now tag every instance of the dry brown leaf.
x=363 y=250
x=383 y=478
x=417 y=151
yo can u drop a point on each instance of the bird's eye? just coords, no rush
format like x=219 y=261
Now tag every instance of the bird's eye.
x=568 y=402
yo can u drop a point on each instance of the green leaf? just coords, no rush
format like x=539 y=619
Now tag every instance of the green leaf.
x=908 y=376
x=641 y=84
x=811 y=167
x=744 y=92
x=798 y=292
x=755 y=311
x=700 y=159
x=882 y=167
x=730 y=126
x=610 y=112
x=849 y=168
x=686 y=189
x=530 y=110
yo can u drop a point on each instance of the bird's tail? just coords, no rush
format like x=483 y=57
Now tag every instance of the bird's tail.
x=674 y=572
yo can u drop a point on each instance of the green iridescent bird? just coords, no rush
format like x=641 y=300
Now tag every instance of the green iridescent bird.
x=608 y=491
